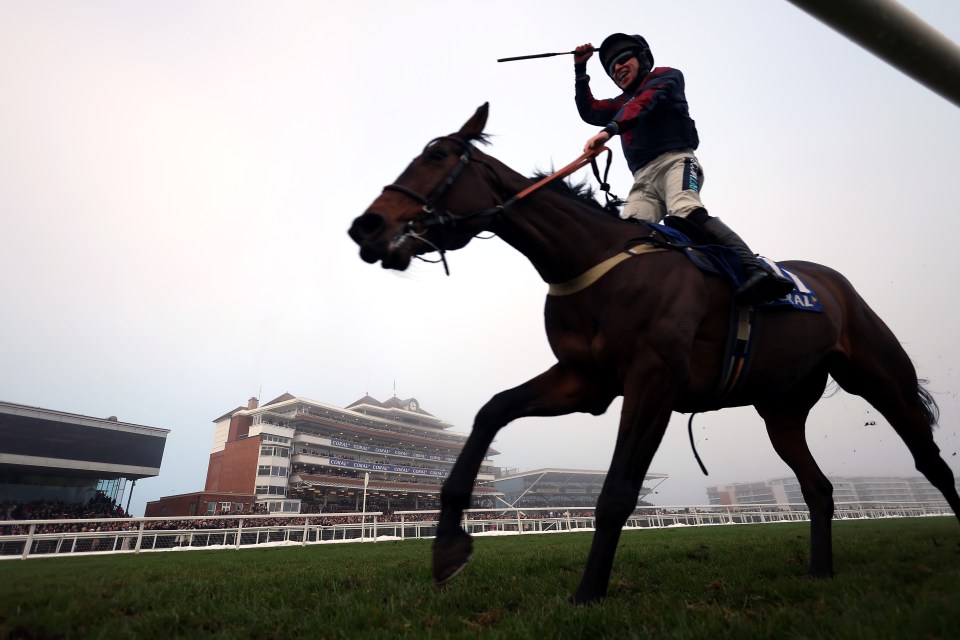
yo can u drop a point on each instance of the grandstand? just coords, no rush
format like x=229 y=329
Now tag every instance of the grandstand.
x=846 y=489
x=296 y=455
x=560 y=487
x=48 y=455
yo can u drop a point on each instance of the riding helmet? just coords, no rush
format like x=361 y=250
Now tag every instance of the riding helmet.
x=615 y=44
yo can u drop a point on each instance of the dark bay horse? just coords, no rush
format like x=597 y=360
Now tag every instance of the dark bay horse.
x=652 y=328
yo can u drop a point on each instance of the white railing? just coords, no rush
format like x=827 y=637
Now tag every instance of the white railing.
x=57 y=538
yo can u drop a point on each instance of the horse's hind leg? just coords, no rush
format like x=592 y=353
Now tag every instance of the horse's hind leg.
x=785 y=418
x=557 y=391
x=882 y=374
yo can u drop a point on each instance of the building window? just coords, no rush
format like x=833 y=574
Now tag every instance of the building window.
x=280 y=452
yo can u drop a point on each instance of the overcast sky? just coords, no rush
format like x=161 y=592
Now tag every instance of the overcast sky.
x=177 y=179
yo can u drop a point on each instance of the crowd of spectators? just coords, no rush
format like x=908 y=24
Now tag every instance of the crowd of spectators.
x=77 y=518
x=71 y=515
x=99 y=506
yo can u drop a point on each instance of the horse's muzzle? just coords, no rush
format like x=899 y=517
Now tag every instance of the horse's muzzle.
x=366 y=227
x=368 y=232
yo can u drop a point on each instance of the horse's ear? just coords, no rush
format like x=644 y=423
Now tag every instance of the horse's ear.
x=473 y=129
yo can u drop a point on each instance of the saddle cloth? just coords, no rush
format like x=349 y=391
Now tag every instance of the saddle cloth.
x=723 y=261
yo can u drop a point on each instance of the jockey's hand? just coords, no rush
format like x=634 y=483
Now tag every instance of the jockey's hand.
x=582 y=53
x=597 y=141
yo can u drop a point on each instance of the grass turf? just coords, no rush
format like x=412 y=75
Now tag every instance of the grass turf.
x=897 y=578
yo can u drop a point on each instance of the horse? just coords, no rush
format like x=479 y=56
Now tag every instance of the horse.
x=647 y=325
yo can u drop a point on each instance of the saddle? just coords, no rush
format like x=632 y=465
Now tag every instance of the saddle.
x=680 y=235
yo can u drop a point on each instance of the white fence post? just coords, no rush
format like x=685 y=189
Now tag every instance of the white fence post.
x=29 y=542
x=139 y=536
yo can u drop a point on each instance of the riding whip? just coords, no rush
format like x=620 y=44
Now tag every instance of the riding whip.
x=536 y=55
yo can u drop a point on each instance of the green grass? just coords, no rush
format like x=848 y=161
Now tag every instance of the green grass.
x=895 y=579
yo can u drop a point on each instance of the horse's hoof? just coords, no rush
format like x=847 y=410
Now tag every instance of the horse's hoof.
x=584 y=599
x=820 y=574
x=450 y=555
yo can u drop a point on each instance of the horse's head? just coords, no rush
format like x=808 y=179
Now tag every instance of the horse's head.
x=440 y=201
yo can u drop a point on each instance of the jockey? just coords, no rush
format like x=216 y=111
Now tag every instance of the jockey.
x=659 y=138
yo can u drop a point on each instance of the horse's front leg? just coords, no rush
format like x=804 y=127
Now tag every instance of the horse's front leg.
x=557 y=391
x=647 y=403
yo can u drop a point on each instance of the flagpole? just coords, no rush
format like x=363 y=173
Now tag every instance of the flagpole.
x=363 y=516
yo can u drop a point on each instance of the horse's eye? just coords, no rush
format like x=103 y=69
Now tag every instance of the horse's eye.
x=436 y=155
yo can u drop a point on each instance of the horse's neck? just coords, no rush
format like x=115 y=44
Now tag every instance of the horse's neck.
x=561 y=236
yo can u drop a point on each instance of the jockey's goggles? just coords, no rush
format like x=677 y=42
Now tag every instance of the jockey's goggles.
x=622 y=58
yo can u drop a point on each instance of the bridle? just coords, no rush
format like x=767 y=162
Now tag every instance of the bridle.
x=431 y=215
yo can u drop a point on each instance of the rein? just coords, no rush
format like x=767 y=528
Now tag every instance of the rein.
x=587 y=157
x=430 y=216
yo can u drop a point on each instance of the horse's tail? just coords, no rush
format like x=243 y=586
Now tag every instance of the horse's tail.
x=931 y=412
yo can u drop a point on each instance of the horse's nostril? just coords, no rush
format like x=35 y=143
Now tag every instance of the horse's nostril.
x=366 y=226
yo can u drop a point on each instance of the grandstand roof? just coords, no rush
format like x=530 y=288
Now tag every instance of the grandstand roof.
x=405 y=404
x=46 y=442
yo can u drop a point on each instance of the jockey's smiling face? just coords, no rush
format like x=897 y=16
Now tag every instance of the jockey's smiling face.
x=625 y=71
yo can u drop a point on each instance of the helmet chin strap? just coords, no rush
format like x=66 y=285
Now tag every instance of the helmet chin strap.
x=636 y=82
x=642 y=73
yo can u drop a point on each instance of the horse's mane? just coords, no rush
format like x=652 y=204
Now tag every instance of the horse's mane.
x=580 y=191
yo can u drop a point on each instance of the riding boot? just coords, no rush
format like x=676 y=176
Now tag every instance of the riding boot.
x=760 y=283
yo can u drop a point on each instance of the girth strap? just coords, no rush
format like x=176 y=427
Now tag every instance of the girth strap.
x=738 y=351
